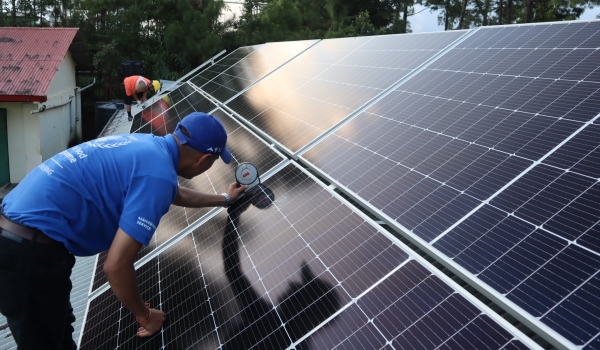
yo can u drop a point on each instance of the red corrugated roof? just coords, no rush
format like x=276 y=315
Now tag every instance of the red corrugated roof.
x=29 y=59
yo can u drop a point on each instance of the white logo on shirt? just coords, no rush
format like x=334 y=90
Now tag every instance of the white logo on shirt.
x=109 y=145
x=145 y=223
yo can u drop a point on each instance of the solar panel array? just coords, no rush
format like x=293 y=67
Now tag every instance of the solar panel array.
x=487 y=156
x=321 y=87
x=240 y=75
x=480 y=146
x=268 y=275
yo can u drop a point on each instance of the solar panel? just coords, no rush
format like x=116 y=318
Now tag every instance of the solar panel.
x=488 y=158
x=162 y=116
x=222 y=65
x=326 y=83
x=160 y=106
x=260 y=62
x=244 y=147
x=294 y=266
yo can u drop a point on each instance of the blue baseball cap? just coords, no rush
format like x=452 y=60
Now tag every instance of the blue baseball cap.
x=207 y=135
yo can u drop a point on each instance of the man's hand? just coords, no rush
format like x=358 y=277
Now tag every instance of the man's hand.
x=157 y=318
x=235 y=190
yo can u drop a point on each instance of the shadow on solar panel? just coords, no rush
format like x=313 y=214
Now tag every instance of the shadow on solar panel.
x=313 y=298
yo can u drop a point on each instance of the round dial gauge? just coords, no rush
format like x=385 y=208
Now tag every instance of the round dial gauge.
x=246 y=174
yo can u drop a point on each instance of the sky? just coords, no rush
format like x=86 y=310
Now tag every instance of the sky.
x=426 y=21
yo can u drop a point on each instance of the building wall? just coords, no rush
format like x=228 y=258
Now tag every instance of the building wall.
x=34 y=138
x=23 y=139
x=57 y=122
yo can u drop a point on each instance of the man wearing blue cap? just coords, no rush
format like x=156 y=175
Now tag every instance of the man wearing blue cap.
x=106 y=194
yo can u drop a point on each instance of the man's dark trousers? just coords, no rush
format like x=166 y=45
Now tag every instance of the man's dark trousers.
x=35 y=288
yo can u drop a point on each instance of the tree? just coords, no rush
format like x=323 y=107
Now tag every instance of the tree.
x=500 y=18
x=196 y=35
x=462 y=14
x=401 y=25
x=529 y=11
x=450 y=11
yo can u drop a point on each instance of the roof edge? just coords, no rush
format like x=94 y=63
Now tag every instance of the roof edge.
x=23 y=98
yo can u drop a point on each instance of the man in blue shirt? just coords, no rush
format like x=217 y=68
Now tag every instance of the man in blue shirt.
x=106 y=194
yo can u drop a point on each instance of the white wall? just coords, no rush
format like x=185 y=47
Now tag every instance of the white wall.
x=23 y=139
x=64 y=79
x=56 y=123
x=34 y=138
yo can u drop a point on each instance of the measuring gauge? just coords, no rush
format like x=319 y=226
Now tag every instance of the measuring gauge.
x=247 y=174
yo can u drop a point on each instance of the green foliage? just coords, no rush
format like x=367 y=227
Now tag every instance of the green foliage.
x=360 y=26
x=196 y=35
x=558 y=10
x=487 y=12
x=107 y=60
x=34 y=13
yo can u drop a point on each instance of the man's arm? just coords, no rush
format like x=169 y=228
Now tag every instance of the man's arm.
x=120 y=272
x=145 y=96
x=193 y=199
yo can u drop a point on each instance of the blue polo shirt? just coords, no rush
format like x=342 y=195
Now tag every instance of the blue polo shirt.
x=83 y=195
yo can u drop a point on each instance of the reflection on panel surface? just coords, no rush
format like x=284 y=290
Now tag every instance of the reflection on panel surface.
x=244 y=147
x=279 y=263
x=107 y=315
x=162 y=117
x=323 y=85
x=160 y=106
x=261 y=61
x=222 y=65
x=486 y=155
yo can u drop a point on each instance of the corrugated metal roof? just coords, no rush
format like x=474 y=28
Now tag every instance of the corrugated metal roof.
x=29 y=59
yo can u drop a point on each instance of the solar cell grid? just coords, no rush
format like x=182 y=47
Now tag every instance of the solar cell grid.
x=164 y=118
x=260 y=62
x=489 y=156
x=161 y=105
x=323 y=85
x=581 y=154
x=268 y=276
x=222 y=65
x=106 y=314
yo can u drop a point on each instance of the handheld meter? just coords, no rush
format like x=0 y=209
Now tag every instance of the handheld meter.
x=247 y=174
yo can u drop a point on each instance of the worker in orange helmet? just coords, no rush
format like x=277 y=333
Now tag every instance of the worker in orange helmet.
x=136 y=88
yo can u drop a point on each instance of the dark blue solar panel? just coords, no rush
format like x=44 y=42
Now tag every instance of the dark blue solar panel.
x=540 y=272
x=591 y=239
x=594 y=344
x=486 y=155
x=580 y=154
x=411 y=309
